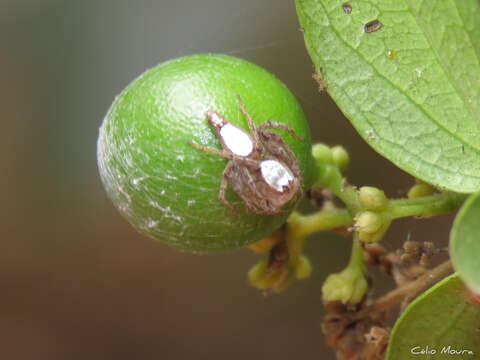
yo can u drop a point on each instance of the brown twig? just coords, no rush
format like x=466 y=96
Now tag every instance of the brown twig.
x=410 y=289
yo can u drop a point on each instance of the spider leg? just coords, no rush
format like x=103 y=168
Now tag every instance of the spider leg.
x=245 y=161
x=251 y=124
x=222 y=153
x=243 y=187
x=250 y=192
x=278 y=148
x=226 y=154
x=222 y=194
x=277 y=125
x=263 y=205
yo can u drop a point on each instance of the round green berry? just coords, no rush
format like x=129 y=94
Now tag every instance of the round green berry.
x=168 y=189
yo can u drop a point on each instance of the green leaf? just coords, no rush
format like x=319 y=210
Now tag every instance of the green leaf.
x=465 y=243
x=411 y=88
x=445 y=318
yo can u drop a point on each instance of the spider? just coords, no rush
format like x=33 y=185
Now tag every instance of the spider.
x=261 y=169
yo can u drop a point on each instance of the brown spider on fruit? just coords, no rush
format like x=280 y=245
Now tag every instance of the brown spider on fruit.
x=262 y=169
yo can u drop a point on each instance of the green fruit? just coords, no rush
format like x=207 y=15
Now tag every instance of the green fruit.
x=162 y=185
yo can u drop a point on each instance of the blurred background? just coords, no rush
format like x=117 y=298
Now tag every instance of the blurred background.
x=76 y=281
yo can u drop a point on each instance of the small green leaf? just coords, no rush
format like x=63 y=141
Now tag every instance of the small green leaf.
x=441 y=322
x=412 y=87
x=465 y=243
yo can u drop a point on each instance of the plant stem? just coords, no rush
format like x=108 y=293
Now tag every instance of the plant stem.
x=300 y=226
x=329 y=176
x=426 y=206
x=350 y=284
x=349 y=197
x=356 y=257
x=303 y=225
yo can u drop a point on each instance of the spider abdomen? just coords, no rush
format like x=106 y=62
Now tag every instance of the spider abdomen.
x=276 y=175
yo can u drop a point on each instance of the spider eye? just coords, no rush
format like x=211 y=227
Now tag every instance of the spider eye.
x=215 y=119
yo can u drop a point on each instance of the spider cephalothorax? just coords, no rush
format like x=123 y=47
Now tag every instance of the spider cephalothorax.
x=262 y=169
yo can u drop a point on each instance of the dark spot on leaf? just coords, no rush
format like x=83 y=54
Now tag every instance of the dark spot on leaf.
x=373 y=26
x=347 y=8
x=320 y=79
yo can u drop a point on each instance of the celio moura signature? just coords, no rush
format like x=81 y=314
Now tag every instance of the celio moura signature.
x=427 y=350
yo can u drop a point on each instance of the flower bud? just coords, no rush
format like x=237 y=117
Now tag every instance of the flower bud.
x=282 y=282
x=368 y=221
x=340 y=157
x=262 y=279
x=372 y=198
x=420 y=190
x=349 y=286
x=257 y=275
x=371 y=226
x=322 y=153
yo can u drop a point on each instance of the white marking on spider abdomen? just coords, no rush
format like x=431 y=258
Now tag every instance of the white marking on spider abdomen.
x=237 y=141
x=275 y=174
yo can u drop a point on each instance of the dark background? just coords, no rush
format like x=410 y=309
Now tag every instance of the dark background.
x=76 y=281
